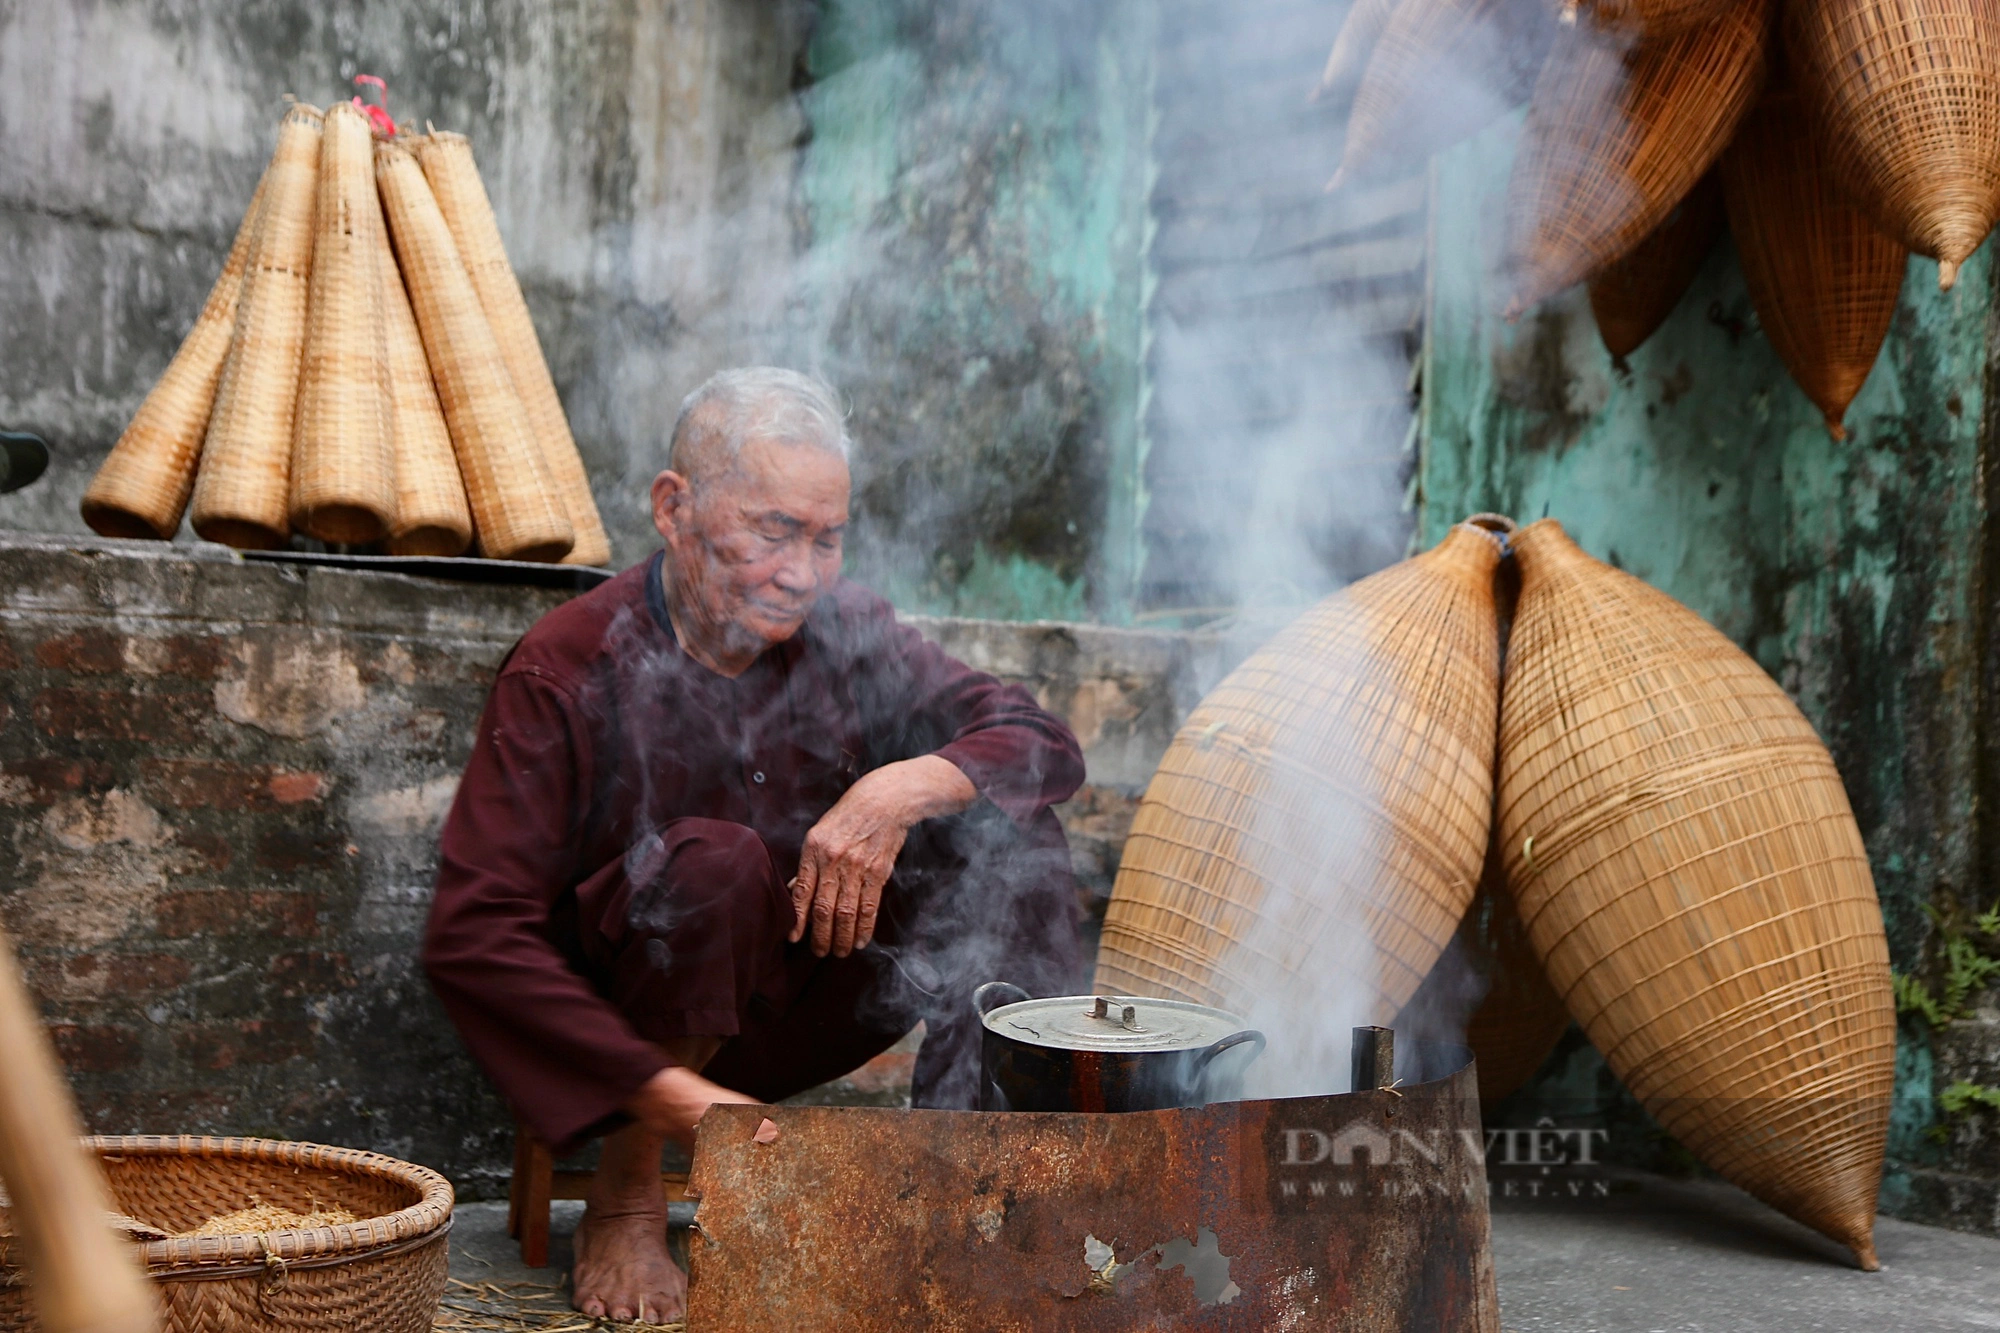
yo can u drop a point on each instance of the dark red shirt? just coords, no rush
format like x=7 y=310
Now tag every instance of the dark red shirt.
x=600 y=730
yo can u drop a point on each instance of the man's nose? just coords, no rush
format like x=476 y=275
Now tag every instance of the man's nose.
x=796 y=573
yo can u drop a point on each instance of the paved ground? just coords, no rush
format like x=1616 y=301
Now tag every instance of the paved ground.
x=1671 y=1257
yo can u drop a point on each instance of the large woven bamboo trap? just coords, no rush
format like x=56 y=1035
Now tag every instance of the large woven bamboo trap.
x=1615 y=139
x=1631 y=297
x=1520 y=1018
x=354 y=393
x=383 y=1273
x=1689 y=872
x=1331 y=798
x=1908 y=97
x=1823 y=277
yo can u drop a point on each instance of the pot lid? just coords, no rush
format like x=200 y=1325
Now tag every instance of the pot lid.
x=1113 y=1023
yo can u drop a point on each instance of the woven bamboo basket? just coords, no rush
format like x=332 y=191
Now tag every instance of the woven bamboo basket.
x=1613 y=141
x=454 y=179
x=1352 y=45
x=343 y=469
x=1823 y=277
x=242 y=486
x=1442 y=70
x=1908 y=94
x=142 y=487
x=431 y=513
x=1683 y=856
x=1653 y=20
x=384 y=1273
x=1633 y=296
x=1520 y=1018
x=1334 y=789
x=514 y=505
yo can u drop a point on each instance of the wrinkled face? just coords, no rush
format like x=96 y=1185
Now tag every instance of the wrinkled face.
x=754 y=548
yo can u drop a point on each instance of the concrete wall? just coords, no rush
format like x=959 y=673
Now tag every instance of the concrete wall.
x=937 y=204
x=1856 y=572
x=220 y=789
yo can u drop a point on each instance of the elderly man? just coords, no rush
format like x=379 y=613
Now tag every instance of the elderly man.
x=728 y=831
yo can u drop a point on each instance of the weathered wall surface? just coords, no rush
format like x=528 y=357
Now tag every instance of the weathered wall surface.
x=220 y=789
x=924 y=202
x=1853 y=571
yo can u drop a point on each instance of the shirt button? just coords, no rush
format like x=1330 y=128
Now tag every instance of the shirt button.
x=757 y=778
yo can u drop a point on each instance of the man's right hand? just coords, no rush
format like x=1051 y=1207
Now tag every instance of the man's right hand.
x=673 y=1101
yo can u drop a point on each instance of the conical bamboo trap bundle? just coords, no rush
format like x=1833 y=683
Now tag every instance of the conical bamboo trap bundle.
x=1631 y=297
x=1441 y=71
x=343 y=484
x=1683 y=855
x=431 y=513
x=1908 y=95
x=142 y=487
x=1334 y=790
x=514 y=505
x=1352 y=45
x=1823 y=277
x=454 y=180
x=1614 y=140
x=242 y=488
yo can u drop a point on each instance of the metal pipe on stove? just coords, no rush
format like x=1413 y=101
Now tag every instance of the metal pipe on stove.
x=1374 y=1058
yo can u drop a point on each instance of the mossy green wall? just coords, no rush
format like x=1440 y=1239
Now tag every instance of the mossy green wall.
x=1852 y=571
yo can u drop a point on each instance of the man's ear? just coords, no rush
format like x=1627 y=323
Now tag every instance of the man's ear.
x=672 y=497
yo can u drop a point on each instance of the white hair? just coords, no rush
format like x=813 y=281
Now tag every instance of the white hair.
x=771 y=403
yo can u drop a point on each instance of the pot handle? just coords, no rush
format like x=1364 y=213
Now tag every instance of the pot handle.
x=996 y=993
x=1228 y=1043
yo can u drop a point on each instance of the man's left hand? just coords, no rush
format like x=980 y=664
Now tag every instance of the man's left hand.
x=849 y=854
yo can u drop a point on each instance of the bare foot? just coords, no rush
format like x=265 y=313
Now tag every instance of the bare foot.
x=623 y=1271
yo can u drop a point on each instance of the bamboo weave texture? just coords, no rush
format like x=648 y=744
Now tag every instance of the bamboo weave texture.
x=1632 y=296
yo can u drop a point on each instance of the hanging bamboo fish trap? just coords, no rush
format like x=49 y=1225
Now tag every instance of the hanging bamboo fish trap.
x=1334 y=788
x=343 y=472
x=1823 y=277
x=143 y=485
x=1352 y=45
x=507 y=485
x=242 y=486
x=431 y=513
x=1690 y=874
x=1908 y=96
x=1631 y=297
x=1519 y=1020
x=454 y=180
x=1614 y=140
x=1441 y=71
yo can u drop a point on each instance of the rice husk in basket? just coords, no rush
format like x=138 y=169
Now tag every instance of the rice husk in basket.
x=242 y=488
x=454 y=180
x=1631 y=297
x=432 y=517
x=1683 y=856
x=1324 y=811
x=1823 y=277
x=343 y=470
x=142 y=487
x=1615 y=138
x=515 y=508
x=1907 y=93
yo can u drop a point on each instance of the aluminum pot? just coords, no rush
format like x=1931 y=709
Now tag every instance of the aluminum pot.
x=1106 y=1053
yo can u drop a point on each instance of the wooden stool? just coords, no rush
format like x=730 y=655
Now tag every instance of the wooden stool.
x=536 y=1184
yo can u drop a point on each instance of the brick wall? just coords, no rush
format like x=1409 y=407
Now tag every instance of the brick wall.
x=220 y=786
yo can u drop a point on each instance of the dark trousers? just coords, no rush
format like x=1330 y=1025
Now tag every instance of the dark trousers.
x=686 y=935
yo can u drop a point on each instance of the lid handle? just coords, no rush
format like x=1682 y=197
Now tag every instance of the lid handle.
x=1127 y=1016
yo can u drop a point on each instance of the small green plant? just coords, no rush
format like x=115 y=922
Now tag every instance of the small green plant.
x=1967 y=971
x=1961 y=1097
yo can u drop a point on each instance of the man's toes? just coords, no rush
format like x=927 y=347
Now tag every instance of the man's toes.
x=592 y=1307
x=621 y=1315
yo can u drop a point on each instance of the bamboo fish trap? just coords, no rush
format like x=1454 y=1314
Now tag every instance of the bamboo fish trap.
x=454 y=180
x=431 y=513
x=1442 y=70
x=1633 y=296
x=1520 y=1018
x=506 y=478
x=1336 y=785
x=1654 y=20
x=242 y=488
x=1352 y=45
x=1683 y=856
x=343 y=483
x=1823 y=277
x=1908 y=92
x=1613 y=141
x=142 y=488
